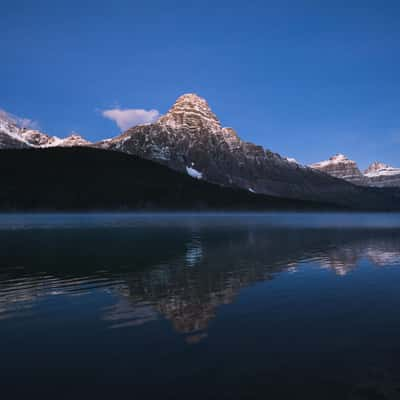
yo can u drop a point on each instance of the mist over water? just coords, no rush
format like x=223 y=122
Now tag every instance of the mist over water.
x=275 y=305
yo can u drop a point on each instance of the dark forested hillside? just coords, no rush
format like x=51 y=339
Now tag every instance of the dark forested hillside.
x=92 y=179
x=82 y=178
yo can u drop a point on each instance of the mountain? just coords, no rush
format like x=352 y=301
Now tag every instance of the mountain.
x=39 y=139
x=383 y=175
x=10 y=135
x=340 y=166
x=13 y=136
x=72 y=140
x=189 y=138
x=84 y=178
x=376 y=175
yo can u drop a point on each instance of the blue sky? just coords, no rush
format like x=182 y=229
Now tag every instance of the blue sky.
x=304 y=78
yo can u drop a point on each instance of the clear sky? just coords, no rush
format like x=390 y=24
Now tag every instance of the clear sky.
x=305 y=78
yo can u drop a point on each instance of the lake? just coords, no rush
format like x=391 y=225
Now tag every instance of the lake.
x=180 y=306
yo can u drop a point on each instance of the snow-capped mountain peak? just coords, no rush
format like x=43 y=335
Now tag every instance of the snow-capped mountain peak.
x=7 y=125
x=34 y=138
x=379 y=169
x=74 y=139
x=12 y=135
x=377 y=174
x=336 y=159
x=342 y=167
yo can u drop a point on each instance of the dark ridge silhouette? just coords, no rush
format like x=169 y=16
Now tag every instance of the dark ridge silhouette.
x=73 y=179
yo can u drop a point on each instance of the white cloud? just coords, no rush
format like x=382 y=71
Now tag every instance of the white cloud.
x=128 y=118
x=21 y=122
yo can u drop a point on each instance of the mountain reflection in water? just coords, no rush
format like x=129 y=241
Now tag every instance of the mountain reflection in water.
x=183 y=271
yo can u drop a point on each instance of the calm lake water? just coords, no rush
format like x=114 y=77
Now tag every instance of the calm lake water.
x=269 y=306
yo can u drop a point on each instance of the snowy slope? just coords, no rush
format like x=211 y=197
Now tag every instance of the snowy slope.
x=14 y=136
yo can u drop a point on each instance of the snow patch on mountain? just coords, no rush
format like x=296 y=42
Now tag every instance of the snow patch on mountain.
x=292 y=160
x=194 y=173
x=334 y=160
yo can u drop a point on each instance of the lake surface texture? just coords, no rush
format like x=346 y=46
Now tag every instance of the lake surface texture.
x=269 y=306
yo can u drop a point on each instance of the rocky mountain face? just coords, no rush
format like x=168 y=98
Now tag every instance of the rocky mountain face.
x=73 y=139
x=382 y=175
x=34 y=137
x=189 y=138
x=10 y=135
x=340 y=166
x=376 y=175
x=13 y=136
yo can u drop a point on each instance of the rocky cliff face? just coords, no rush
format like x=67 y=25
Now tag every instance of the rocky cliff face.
x=190 y=138
x=35 y=138
x=340 y=166
x=377 y=174
x=382 y=175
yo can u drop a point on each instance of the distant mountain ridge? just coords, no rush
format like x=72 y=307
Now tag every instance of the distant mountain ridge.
x=14 y=136
x=340 y=166
x=376 y=175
